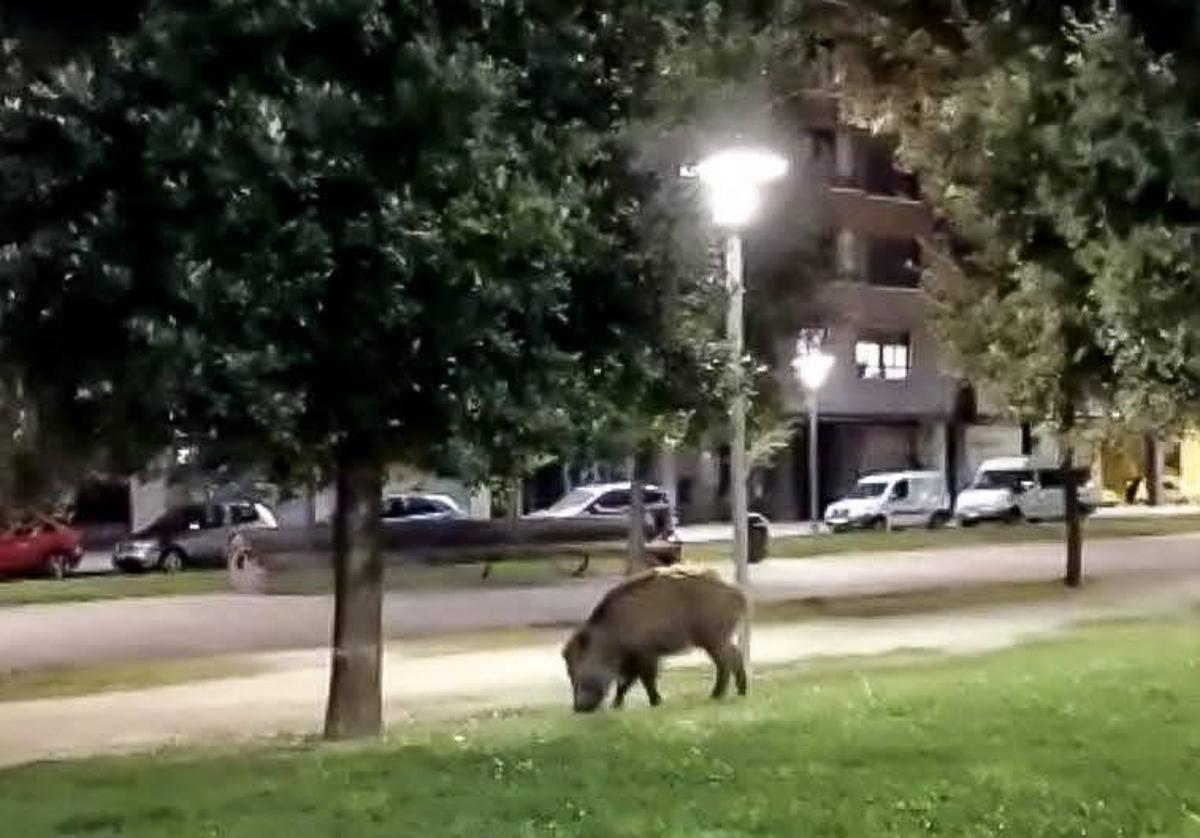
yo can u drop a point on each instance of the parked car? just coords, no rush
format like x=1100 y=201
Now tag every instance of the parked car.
x=41 y=546
x=1020 y=489
x=611 y=500
x=892 y=500
x=420 y=507
x=193 y=535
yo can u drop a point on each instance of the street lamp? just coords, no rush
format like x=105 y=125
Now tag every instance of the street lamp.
x=733 y=180
x=812 y=368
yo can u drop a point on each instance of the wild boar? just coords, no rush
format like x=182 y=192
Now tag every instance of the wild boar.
x=661 y=612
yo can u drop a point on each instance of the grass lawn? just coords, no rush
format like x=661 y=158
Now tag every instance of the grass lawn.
x=61 y=683
x=1098 y=735
x=116 y=586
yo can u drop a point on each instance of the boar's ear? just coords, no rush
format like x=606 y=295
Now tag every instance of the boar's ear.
x=576 y=645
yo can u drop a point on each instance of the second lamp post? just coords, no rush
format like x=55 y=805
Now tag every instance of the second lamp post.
x=812 y=367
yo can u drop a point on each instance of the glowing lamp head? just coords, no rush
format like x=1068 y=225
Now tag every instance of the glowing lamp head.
x=734 y=180
x=812 y=369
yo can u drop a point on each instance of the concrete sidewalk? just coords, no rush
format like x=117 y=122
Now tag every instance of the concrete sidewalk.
x=289 y=698
x=1181 y=510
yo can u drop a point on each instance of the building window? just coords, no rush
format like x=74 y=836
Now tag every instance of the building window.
x=893 y=263
x=849 y=255
x=844 y=154
x=883 y=358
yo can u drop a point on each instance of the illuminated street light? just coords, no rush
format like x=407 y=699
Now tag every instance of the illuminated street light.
x=733 y=180
x=812 y=368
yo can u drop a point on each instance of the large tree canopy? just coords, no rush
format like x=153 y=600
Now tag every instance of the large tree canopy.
x=336 y=233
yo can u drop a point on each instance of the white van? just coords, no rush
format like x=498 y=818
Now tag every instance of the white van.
x=892 y=500
x=1020 y=489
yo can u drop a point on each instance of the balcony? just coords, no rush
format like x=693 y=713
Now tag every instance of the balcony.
x=880 y=216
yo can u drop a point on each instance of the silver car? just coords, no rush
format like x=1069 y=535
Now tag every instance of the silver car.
x=612 y=500
x=193 y=535
x=420 y=507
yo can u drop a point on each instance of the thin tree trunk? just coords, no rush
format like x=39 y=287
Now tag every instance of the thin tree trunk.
x=636 y=559
x=1074 y=574
x=516 y=500
x=310 y=504
x=1154 y=470
x=355 y=687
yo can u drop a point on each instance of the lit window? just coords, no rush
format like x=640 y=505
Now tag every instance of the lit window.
x=886 y=359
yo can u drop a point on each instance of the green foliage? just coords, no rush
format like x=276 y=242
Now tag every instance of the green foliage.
x=1056 y=142
x=304 y=226
x=1067 y=177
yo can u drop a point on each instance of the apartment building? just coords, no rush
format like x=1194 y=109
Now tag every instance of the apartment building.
x=887 y=404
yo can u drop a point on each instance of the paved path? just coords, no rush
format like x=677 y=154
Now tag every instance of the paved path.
x=72 y=634
x=289 y=699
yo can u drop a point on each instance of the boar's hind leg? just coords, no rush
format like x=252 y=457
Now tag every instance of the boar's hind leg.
x=727 y=659
x=738 y=665
x=720 y=661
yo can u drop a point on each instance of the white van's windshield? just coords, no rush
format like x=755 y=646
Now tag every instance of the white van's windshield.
x=873 y=489
x=1003 y=479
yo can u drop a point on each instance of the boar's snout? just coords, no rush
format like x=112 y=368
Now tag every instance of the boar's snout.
x=588 y=698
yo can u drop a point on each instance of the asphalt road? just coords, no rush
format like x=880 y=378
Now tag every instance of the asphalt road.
x=74 y=634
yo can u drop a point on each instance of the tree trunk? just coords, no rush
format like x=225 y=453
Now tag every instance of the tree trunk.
x=1154 y=470
x=668 y=480
x=310 y=505
x=635 y=562
x=355 y=687
x=516 y=499
x=1074 y=575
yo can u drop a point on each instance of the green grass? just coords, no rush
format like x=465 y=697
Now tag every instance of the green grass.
x=117 y=586
x=63 y=683
x=1096 y=736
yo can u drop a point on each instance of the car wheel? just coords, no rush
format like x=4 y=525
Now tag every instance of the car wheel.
x=1014 y=516
x=172 y=560
x=58 y=565
x=938 y=520
x=878 y=524
x=967 y=523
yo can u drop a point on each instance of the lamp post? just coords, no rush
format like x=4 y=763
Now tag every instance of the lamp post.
x=733 y=180
x=812 y=368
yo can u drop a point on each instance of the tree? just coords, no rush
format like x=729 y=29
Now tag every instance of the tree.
x=1065 y=177
x=1054 y=141
x=345 y=232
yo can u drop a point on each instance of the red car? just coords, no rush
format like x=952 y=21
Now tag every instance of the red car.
x=41 y=546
